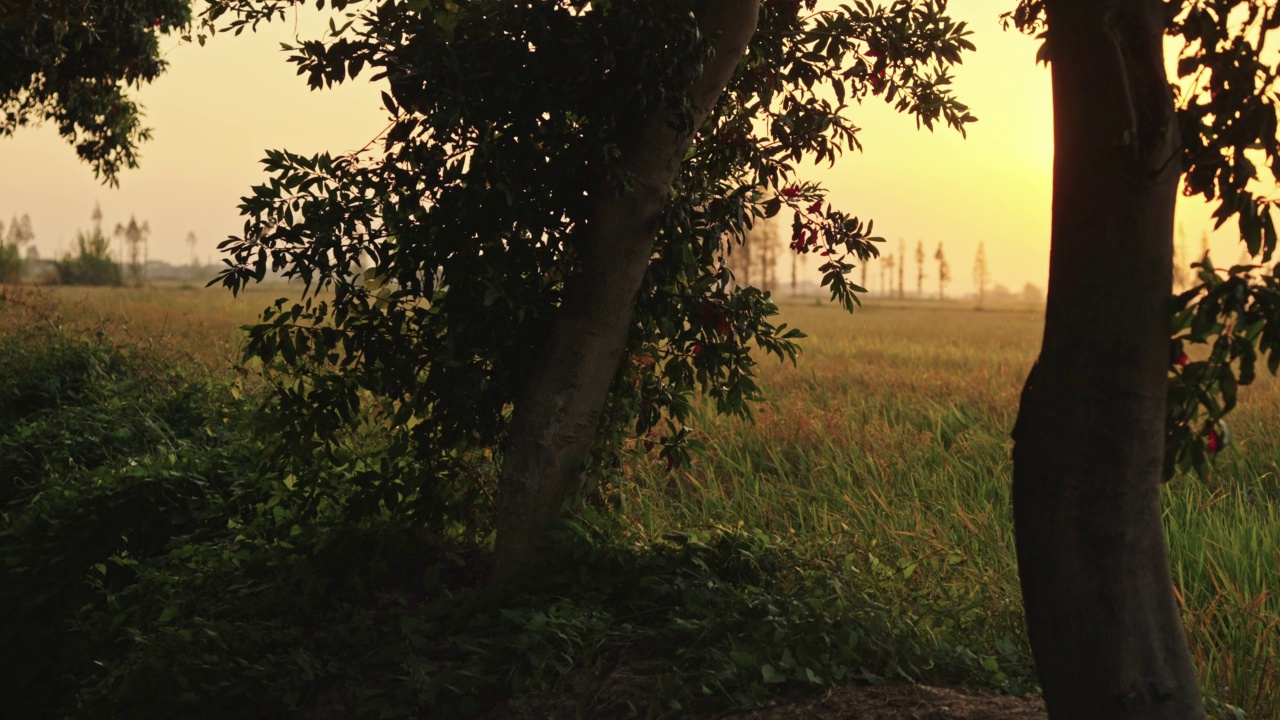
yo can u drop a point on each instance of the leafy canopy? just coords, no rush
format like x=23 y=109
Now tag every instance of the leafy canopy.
x=1226 y=97
x=434 y=260
x=73 y=63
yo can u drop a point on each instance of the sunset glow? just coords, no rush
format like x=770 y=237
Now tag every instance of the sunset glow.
x=219 y=107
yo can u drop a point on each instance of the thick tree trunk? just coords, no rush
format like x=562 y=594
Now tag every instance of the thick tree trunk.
x=1101 y=612
x=555 y=421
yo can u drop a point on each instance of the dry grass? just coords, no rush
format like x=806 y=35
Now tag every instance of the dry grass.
x=886 y=450
x=888 y=446
x=202 y=323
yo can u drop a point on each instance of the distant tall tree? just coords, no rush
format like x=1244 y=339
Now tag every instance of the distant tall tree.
x=766 y=239
x=135 y=239
x=920 y=269
x=755 y=262
x=902 y=266
x=20 y=233
x=944 y=272
x=797 y=259
x=92 y=263
x=1182 y=275
x=191 y=245
x=980 y=277
x=890 y=262
x=72 y=63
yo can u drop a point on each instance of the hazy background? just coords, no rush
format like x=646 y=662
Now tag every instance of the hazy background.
x=220 y=106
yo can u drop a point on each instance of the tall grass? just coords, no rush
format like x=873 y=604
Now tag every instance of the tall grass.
x=888 y=446
x=885 y=455
x=200 y=323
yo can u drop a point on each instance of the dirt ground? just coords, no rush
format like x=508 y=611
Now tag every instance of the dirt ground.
x=900 y=702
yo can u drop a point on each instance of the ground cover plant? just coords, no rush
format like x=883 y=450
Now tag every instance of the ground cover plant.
x=859 y=531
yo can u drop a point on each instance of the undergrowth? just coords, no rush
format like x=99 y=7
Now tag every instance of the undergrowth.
x=156 y=564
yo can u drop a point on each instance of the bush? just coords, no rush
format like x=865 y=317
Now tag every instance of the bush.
x=156 y=562
x=104 y=453
x=10 y=263
x=92 y=265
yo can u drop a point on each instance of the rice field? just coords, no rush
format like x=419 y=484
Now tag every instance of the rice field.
x=887 y=448
x=889 y=440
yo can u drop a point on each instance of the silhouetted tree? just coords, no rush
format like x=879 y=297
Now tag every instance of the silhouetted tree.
x=195 y=261
x=92 y=263
x=1109 y=410
x=902 y=266
x=920 y=269
x=1182 y=275
x=72 y=63
x=944 y=272
x=135 y=238
x=980 y=276
x=558 y=183
x=20 y=234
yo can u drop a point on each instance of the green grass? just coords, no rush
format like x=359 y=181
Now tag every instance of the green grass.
x=890 y=441
x=860 y=528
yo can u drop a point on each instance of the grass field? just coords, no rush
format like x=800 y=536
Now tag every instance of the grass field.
x=890 y=440
x=884 y=457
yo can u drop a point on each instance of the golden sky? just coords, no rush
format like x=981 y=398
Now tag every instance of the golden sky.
x=219 y=107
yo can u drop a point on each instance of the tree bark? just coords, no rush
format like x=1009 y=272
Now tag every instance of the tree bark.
x=1089 y=441
x=555 y=420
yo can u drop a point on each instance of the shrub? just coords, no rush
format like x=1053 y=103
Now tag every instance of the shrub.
x=92 y=265
x=104 y=452
x=10 y=263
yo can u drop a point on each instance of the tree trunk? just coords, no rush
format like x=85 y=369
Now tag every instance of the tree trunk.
x=1101 y=612
x=555 y=420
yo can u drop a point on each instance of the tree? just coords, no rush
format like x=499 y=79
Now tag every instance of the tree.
x=920 y=269
x=1098 y=431
x=547 y=216
x=135 y=238
x=1182 y=275
x=944 y=272
x=980 y=276
x=92 y=264
x=902 y=267
x=191 y=245
x=20 y=233
x=755 y=261
x=72 y=63
x=890 y=263
x=764 y=242
x=796 y=259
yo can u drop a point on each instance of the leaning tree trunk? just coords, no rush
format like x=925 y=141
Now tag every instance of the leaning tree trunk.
x=555 y=420
x=1101 y=612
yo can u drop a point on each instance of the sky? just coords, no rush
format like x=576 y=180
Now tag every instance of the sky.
x=219 y=107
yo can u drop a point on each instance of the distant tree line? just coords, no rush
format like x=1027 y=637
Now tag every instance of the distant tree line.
x=91 y=262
